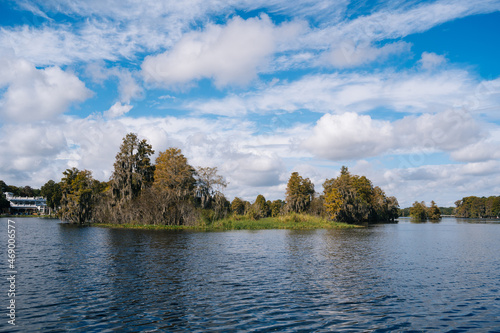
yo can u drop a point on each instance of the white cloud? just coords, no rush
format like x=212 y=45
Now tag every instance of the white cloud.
x=230 y=54
x=395 y=21
x=478 y=152
x=431 y=60
x=37 y=94
x=347 y=54
x=255 y=170
x=118 y=109
x=406 y=91
x=350 y=136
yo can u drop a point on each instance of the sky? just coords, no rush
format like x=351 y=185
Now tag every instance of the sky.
x=406 y=93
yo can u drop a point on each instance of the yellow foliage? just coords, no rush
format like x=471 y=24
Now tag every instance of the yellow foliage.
x=333 y=203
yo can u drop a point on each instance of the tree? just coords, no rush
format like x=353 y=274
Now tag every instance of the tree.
x=334 y=203
x=277 y=207
x=260 y=207
x=27 y=191
x=299 y=193
x=433 y=212
x=53 y=193
x=133 y=171
x=174 y=187
x=345 y=204
x=208 y=184
x=4 y=203
x=238 y=206
x=173 y=172
x=418 y=211
x=353 y=199
x=80 y=192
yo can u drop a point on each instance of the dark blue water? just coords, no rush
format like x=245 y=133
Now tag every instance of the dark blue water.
x=442 y=277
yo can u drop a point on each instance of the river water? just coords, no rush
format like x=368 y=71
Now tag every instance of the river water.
x=438 y=277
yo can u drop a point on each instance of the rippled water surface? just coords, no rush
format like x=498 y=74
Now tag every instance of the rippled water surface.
x=397 y=277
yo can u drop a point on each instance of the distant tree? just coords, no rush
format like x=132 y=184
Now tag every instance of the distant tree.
x=133 y=171
x=174 y=173
x=220 y=206
x=447 y=210
x=208 y=184
x=238 y=206
x=299 y=193
x=4 y=203
x=277 y=207
x=433 y=212
x=353 y=199
x=334 y=203
x=260 y=207
x=317 y=206
x=53 y=193
x=80 y=192
x=173 y=188
x=418 y=211
x=478 y=207
x=27 y=191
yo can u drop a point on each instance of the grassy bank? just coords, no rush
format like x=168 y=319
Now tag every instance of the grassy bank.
x=292 y=221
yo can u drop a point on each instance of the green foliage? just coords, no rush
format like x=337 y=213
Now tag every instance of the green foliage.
x=277 y=207
x=4 y=203
x=299 y=193
x=238 y=206
x=80 y=193
x=418 y=211
x=447 y=210
x=53 y=193
x=353 y=199
x=433 y=213
x=260 y=208
x=475 y=207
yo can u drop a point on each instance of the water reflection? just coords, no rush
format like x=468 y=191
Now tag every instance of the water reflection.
x=394 y=277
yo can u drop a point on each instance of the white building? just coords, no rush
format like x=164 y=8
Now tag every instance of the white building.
x=26 y=205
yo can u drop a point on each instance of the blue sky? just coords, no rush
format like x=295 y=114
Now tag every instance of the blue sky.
x=404 y=92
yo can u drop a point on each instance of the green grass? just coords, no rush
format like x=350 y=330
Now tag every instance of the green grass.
x=291 y=221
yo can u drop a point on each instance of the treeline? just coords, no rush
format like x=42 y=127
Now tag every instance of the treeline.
x=172 y=192
x=467 y=207
x=476 y=207
x=444 y=211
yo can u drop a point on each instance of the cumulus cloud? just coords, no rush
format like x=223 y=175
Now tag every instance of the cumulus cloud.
x=256 y=170
x=349 y=136
x=230 y=54
x=478 y=152
x=431 y=60
x=118 y=109
x=36 y=94
x=352 y=136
